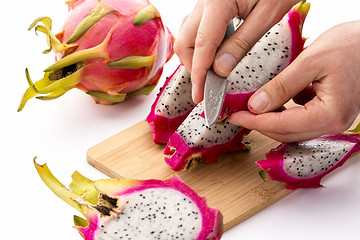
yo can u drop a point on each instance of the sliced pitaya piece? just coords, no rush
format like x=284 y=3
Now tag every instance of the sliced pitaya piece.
x=174 y=102
x=269 y=56
x=137 y=209
x=110 y=49
x=304 y=164
x=171 y=106
x=194 y=141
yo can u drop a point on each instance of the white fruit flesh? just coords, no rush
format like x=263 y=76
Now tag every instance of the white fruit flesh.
x=263 y=62
x=313 y=157
x=154 y=213
x=195 y=132
x=176 y=97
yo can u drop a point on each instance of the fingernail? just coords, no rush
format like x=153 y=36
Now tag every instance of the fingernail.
x=225 y=62
x=193 y=93
x=259 y=102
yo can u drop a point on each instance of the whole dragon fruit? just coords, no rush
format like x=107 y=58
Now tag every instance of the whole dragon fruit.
x=194 y=141
x=304 y=164
x=137 y=209
x=171 y=106
x=273 y=52
x=111 y=49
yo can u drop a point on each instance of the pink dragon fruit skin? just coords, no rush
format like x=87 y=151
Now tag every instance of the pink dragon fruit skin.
x=120 y=55
x=275 y=50
x=139 y=209
x=304 y=164
x=164 y=119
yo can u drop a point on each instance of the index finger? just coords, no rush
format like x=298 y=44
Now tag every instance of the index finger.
x=209 y=36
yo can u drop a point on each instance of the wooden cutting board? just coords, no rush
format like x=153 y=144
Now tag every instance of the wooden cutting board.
x=233 y=185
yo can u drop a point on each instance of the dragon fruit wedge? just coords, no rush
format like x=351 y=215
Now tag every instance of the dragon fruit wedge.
x=136 y=209
x=174 y=102
x=171 y=106
x=304 y=164
x=110 y=49
x=269 y=56
x=194 y=141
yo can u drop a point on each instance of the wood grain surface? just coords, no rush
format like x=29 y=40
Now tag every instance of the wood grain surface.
x=232 y=185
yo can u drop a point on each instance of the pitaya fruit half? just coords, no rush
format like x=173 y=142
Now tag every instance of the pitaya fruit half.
x=171 y=106
x=136 y=209
x=304 y=164
x=194 y=141
x=269 y=56
x=111 y=49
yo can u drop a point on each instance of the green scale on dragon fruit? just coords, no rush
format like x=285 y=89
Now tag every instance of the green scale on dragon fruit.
x=304 y=164
x=110 y=49
x=269 y=56
x=194 y=141
x=137 y=209
x=171 y=106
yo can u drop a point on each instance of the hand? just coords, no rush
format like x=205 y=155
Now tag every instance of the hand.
x=203 y=29
x=325 y=79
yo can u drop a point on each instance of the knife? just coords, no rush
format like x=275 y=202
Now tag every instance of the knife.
x=215 y=88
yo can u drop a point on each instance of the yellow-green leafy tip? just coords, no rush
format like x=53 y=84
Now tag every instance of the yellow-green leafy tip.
x=145 y=15
x=264 y=175
x=134 y=62
x=107 y=97
x=93 y=17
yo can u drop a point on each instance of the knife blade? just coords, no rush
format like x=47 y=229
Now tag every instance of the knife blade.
x=215 y=88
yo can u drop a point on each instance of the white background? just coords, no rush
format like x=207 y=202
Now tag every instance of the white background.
x=60 y=132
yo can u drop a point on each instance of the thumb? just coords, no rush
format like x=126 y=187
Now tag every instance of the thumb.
x=282 y=88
